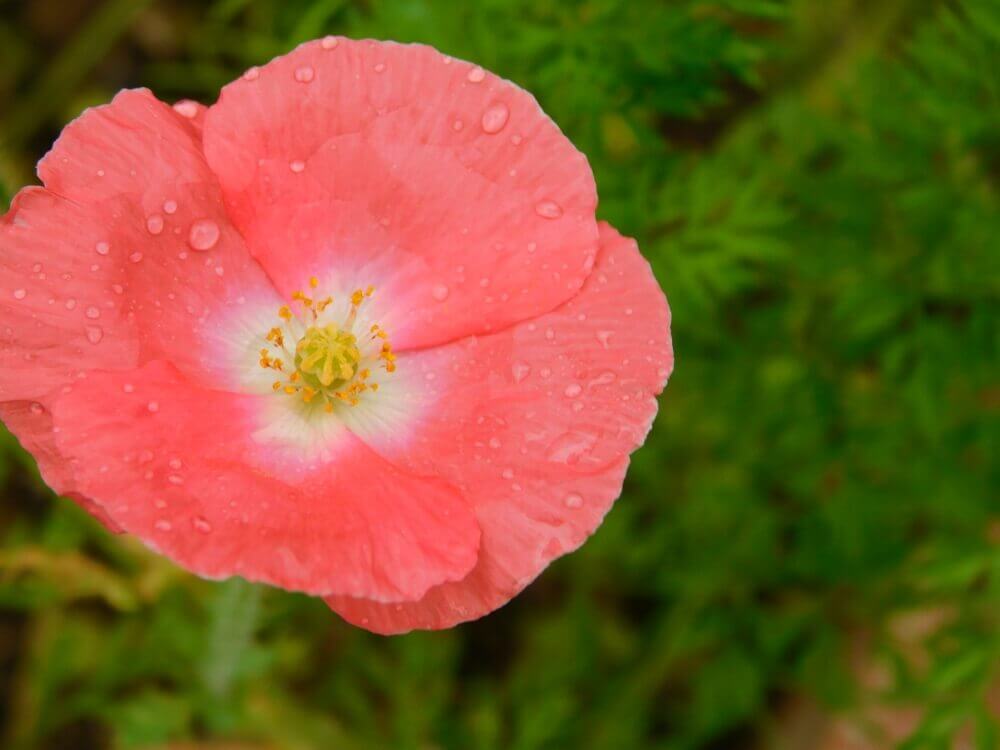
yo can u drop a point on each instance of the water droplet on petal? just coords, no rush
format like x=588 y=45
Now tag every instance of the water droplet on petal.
x=175 y=479
x=102 y=248
x=153 y=407
x=36 y=408
x=95 y=334
x=187 y=108
x=251 y=74
x=203 y=235
x=439 y=292
x=20 y=294
x=573 y=390
x=154 y=224
x=507 y=474
x=93 y=313
x=457 y=125
x=304 y=74
x=379 y=67
x=572 y=500
x=135 y=257
x=495 y=117
x=297 y=166
x=520 y=370
x=476 y=75
x=201 y=525
x=569 y=447
x=128 y=388
x=329 y=42
x=170 y=207
x=549 y=210
x=604 y=337
x=162 y=525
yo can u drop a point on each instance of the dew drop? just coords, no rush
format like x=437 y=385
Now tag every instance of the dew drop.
x=439 y=292
x=201 y=525
x=153 y=407
x=297 y=166
x=572 y=500
x=605 y=378
x=186 y=108
x=329 y=42
x=170 y=207
x=175 y=479
x=507 y=474
x=95 y=334
x=476 y=75
x=457 y=125
x=154 y=224
x=304 y=74
x=251 y=74
x=128 y=388
x=162 y=525
x=520 y=370
x=135 y=257
x=93 y=313
x=569 y=447
x=379 y=67
x=20 y=294
x=494 y=118
x=102 y=248
x=36 y=408
x=203 y=235
x=573 y=390
x=495 y=443
x=549 y=210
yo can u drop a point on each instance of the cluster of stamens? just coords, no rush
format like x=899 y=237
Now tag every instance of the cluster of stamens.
x=326 y=365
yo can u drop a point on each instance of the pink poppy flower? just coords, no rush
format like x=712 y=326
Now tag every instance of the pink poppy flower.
x=352 y=331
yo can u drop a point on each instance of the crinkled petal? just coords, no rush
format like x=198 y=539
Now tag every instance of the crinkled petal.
x=194 y=474
x=535 y=424
x=59 y=315
x=444 y=186
x=154 y=226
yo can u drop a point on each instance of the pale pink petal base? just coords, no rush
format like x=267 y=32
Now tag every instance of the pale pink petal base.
x=536 y=426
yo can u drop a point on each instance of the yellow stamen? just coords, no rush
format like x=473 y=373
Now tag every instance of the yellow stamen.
x=327 y=357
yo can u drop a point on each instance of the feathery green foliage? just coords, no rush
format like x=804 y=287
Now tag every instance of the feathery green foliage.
x=812 y=529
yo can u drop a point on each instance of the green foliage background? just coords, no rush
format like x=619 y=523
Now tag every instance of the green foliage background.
x=812 y=530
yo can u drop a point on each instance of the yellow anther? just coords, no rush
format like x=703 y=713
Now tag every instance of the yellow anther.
x=327 y=357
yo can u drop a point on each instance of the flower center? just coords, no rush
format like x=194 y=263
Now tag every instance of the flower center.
x=329 y=364
x=327 y=357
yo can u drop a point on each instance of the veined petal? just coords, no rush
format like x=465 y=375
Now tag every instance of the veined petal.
x=535 y=424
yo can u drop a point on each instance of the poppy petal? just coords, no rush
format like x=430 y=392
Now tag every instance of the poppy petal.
x=536 y=424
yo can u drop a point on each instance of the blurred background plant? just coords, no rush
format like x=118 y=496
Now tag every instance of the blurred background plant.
x=806 y=553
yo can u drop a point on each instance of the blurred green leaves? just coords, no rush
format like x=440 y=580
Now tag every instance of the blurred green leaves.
x=813 y=521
